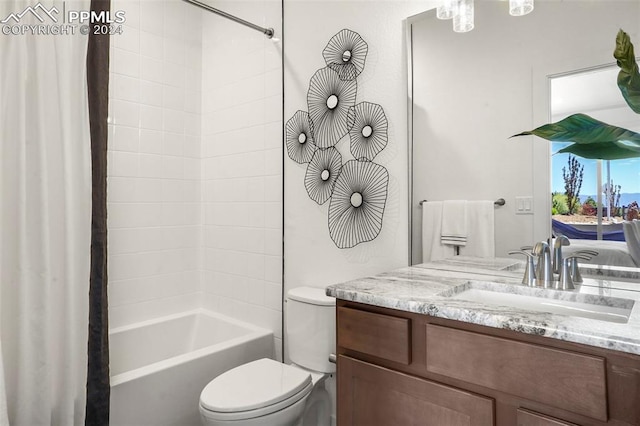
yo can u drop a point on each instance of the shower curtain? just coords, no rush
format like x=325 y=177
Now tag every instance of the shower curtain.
x=45 y=222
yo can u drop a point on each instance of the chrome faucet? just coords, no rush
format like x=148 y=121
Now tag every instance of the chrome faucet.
x=560 y=241
x=529 y=277
x=566 y=281
x=544 y=271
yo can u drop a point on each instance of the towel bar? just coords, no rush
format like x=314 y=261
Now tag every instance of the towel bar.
x=498 y=202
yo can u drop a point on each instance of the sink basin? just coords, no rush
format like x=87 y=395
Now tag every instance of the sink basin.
x=618 y=310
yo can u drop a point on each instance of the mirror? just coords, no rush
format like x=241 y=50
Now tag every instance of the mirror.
x=468 y=93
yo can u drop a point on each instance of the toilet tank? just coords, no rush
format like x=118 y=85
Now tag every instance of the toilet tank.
x=311 y=328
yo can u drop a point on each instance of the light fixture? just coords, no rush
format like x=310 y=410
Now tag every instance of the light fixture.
x=463 y=12
x=445 y=10
x=520 y=7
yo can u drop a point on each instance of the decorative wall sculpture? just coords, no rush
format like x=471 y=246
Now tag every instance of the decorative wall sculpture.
x=299 y=138
x=346 y=53
x=322 y=172
x=357 y=203
x=329 y=100
x=357 y=189
x=367 y=130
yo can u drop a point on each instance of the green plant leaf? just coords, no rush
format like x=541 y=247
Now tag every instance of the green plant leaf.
x=628 y=77
x=591 y=138
x=602 y=151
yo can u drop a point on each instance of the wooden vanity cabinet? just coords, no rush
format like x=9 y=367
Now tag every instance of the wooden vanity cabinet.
x=400 y=368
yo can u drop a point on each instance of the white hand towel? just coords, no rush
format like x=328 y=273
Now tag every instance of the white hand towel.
x=481 y=229
x=454 y=223
x=432 y=249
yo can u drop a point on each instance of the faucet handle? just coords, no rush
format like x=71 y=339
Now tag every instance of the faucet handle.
x=529 y=277
x=573 y=264
x=528 y=248
x=561 y=240
x=544 y=271
x=556 y=263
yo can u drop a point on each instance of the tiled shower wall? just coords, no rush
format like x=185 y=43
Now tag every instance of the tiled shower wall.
x=154 y=188
x=195 y=163
x=242 y=165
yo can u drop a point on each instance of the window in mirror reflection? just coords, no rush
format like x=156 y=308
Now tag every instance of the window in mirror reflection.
x=610 y=190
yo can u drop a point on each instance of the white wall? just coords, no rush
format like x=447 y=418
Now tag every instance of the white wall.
x=242 y=165
x=154 y=161
x=311 y=258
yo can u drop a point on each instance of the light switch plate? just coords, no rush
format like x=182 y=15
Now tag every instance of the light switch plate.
x=524 y=205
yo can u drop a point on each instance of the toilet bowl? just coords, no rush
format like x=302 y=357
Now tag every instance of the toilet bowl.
x=265 y=393
x=269 y=393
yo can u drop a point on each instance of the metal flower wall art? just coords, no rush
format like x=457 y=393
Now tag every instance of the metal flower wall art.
x=357 y=189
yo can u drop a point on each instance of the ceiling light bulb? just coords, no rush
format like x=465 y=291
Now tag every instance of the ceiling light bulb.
x=463 y=16
x=445 y=10
x=520 y=7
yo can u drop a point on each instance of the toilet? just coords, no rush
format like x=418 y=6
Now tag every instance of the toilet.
x=269 y=393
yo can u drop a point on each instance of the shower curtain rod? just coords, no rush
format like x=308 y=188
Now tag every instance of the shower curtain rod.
x=266 y=31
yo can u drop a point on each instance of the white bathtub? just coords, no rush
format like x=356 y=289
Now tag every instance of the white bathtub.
x=159 y=367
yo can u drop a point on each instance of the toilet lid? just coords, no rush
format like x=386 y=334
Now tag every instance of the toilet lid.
x=254 y=385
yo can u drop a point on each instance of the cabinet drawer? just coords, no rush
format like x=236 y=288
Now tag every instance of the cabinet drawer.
x=382 y=336
x=529 y=418
x=558 y=378
x=370 y=395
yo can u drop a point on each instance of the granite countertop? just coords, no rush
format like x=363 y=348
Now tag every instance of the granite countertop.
x=429 y=289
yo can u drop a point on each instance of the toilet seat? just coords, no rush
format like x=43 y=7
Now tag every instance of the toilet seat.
x=255 y=389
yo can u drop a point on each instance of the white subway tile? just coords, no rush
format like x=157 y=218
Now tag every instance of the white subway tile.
x=273 y=188
x=151 y=45
x=273 y=269
x=125 y=164
x=173 y=143
x=173 y=74
x=124 y=139
x=172 y=167
x=126 y=88
x=256 y=293
x=273 y=135
x=121 y=189
x=126 y=63
x=273 y=215
x=152 y=16
x=150 y=141
x=174 y=50
x=148 y=190
x=273 y=162
x=150 y=93
x=151 y=69
x=131 y=10
x=173 y=98
x=125 y=113
x=273 y=296
x=151 y=166
x=192 y=146
x=128 y=39
x=273 y=242
x=150 y=117
x=192 y=170
x=173 y=121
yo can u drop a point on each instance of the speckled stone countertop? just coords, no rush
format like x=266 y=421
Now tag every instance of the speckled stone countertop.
x=431 y=288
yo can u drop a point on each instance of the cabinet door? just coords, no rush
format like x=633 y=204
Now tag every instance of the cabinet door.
x=529 y=418
x=369 y=395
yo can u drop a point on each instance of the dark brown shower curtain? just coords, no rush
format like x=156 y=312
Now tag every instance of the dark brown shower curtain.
x=98 y=388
